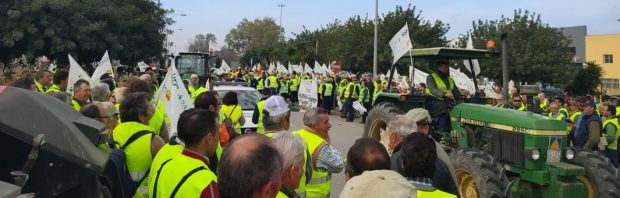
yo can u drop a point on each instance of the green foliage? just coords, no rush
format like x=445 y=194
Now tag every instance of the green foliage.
x=201 y=43
x=537 y=52
x=129 y=30
x=262 y=33
x=586 y=81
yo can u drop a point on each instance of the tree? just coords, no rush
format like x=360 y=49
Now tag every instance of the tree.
x=228 y=54
x=129 y=30
x=537 y=52
x=262 y=33
x=202 y=43
x=586 y=81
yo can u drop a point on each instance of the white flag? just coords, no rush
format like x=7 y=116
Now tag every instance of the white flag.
x=462 y=81
x=225 y=68
x=174 y=97
x=470 y=45
x=400 y=43
x=76 y=73
x=272 y=68
x=142 y=66
x=104 y=66
x=282 y=69
x=307 y=68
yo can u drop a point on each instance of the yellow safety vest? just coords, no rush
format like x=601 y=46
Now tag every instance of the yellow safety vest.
x=441 y=85
x=284 y=84
x=564 y=110
x=76 y=105
x=261 y=84
x=39 y=87
x=138 y=153
x=614 y=144
x=273 y=81
x=364 y=95
x=522 y=108
x=557 y=117
x=234 y=112
x=195 y=92
x=617 y=111
x=320 y=183
x=347 y=91
x=187 y=173
x=158 y=118
x=259 y=126
x=294 y=83
x=328 y=89
x=434 y=194
x=53 y=89
x=544 y=104
x=166 y=152
x=377 y=87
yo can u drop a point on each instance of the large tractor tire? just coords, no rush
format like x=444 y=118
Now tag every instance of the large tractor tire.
x=378 y=119
x=478 y=175
x=601 y=179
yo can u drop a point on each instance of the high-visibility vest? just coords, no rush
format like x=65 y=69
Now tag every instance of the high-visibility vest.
x=434 y=194
x=377 y=87
x=234 y=112
x=194 y=92
x=261 y=84
x=564 y=111
x=320 y=183
x=559 y=116
x=341 y=86
x=328 y=89
x=273 y=81
x=618 y=111
x=544 y=105
x=40 y=87
x=53 y=89
x=364 y=94
x=614 y=144
x=440 y=85
x=138 y=154
x=321 y=88
x=284 y=86
x=259 y=126
x=522 y=107
x=186 y=175
x=294 y=83
x=158 y=118
x=76 y=105
x=348 y=91
x=168 y=151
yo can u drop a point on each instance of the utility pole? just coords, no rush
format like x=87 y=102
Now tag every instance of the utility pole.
x=374 y=53
x=281 y=6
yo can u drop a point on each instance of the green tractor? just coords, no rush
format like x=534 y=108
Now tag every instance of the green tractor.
x=497 y=152
x=193 y=63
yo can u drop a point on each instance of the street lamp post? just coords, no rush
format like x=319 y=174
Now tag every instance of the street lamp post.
x=374 y=53
x=281 y=6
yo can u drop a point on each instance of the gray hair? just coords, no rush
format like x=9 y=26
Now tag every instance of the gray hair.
x=402 y=125
x=101 y=92
x=273 y=122
x=292 y=148
x=311 y=116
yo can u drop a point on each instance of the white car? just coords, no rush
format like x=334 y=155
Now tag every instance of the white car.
x=248 y=97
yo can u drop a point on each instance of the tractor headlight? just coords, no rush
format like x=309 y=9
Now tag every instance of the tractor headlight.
x=533 y=153
x=569 y=154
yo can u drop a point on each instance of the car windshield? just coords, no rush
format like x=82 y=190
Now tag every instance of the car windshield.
x=247 y=98
x=190 y=63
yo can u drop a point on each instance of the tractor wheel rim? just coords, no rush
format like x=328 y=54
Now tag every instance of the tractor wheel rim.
x=589 y=186
x=467 y=184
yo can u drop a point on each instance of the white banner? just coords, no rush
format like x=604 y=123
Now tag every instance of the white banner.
x=174 y=96
x=104 y=66
x=308 y=95
x=470 y=45
x=462 y=81
x=75 y=73
x=400 y=43
x=224 y=67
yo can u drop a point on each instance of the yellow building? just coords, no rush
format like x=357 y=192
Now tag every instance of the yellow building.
x=604 y=50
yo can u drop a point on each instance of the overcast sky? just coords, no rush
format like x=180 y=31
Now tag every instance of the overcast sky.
x=218 y=17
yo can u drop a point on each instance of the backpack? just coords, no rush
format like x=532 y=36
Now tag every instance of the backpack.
x=115 y=174
x=228 y=123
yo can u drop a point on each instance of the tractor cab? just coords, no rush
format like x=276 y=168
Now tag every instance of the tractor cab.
x=193 y=63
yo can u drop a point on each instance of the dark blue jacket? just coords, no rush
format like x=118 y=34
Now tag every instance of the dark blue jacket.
x=582 y=134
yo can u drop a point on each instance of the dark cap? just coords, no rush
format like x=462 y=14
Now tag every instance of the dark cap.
x=589 y=103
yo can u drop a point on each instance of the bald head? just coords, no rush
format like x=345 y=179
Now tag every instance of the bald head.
x=365 y=155
x=253 y=162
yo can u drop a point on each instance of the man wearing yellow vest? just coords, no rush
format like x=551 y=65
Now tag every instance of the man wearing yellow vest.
x=544 y=102
x=194 y=87
x=325 y=158
x=188 y=174
x=517 y=103
x=611 y=130
x=276 y=115
x=43 y=79
x=209 y=101
x=563 y=109
x=284 y=87
x=327 y=94
x=136 y=111
x=294 y=86
x=272 y=83
x=554 y=113
x=257 y=116
x=418 y=160
x=439 y=88
x=61 y=78
x=365 y=97
x=81 y=94
x=351 y=92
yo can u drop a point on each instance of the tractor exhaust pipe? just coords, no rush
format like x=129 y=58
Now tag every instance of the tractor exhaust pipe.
x=505 y=69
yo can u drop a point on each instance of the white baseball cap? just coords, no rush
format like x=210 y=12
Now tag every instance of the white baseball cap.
x=276 y=105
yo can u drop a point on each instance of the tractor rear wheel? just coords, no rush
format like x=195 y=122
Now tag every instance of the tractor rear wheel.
x=478 y=174
x=378 y=119
x=601 y=179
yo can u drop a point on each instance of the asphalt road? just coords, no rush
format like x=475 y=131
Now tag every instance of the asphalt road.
x=343 y=135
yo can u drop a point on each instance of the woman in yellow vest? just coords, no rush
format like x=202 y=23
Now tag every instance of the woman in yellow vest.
x=232 y=111
x=136 y=110
x=188 y=174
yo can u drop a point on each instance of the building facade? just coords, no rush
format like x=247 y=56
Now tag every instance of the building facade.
x=604 y=50
x=577 y=46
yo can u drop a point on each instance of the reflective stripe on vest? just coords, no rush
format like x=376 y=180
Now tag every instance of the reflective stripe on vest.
x=259 y=126
x=614 y=144
x=320 y=183
x=440 y=85
x=273 y=81
x=522 y=108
